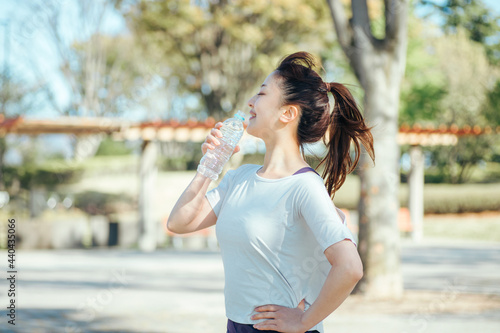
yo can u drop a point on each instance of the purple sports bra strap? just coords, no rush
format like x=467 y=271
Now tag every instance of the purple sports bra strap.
x=305 y=169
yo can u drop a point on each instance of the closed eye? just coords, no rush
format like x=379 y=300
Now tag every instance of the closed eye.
x=260 y=94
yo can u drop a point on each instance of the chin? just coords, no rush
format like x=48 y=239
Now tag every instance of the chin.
x=249 y=129
x=252 y=131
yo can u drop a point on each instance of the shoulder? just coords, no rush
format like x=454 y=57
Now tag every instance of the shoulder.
x=310 y=189
x=310 y=181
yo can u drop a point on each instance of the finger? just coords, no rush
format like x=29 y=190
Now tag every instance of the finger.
x=216 y=133
x=245 y=124
x=266 y=325
x=236 y=149
x=264 y=315
x=267 y=307
x=218 y=125
x=205 y=146
x=211 y=139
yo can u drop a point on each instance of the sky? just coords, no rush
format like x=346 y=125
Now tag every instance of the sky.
x=30 y=48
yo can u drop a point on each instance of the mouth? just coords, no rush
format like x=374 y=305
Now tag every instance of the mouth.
x=253 y=115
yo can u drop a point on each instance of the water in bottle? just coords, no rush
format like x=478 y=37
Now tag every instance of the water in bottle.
x=213 y=161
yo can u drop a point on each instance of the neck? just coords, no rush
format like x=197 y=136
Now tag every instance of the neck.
x=282 y=157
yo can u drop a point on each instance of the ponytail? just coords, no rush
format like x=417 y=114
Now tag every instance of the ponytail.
x=302 y=86
x=346 y=125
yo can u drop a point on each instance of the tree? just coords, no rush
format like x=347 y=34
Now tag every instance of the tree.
x=423 y=86
x=491 y=113
x=100 y=72
x=224 y=49
x=17 y=97
x=450 y=80
x=470 y=80
x=379 y=65
x=473 y=16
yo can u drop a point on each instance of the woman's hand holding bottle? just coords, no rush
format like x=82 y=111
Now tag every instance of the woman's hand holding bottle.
x=212 y=139
x=220 y=145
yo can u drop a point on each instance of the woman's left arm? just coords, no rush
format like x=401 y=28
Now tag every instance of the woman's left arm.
x=346 y=271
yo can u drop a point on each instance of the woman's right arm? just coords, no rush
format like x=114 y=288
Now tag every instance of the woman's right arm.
x=192 y=211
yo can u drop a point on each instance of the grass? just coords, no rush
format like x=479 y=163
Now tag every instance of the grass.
x=438 y=198
x=111 y=164
x=483 y=227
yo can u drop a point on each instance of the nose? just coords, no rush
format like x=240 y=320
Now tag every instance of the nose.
x=251 y=101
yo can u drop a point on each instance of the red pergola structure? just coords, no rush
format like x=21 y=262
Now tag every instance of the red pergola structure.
x=196 y=131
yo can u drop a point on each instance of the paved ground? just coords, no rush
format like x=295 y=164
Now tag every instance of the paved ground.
x=450 y=288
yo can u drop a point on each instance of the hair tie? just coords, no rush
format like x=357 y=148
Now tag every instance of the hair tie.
x=325 y=89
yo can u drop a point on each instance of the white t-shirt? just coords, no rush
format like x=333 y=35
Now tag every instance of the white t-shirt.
x=272 y=234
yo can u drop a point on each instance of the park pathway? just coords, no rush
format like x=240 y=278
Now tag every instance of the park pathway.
x=114 y=290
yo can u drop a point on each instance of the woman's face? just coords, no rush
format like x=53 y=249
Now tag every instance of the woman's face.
x=266 y=108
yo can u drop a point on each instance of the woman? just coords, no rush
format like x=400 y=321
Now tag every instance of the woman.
x=289 y=259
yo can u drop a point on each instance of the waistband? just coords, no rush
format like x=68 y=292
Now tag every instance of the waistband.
x=233 y=327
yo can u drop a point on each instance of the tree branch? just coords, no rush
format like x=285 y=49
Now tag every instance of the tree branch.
x=360 y=18
x=342 y=25
x=396 y=12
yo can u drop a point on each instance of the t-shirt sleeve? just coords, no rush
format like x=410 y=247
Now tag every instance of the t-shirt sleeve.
x=327 y=222
x=216 y=196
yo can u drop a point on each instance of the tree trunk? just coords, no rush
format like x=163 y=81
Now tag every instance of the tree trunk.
x=379 y=245
x=147 y=180
x=379 y=66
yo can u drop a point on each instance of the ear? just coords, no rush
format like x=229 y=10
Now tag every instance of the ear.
x=289 y=113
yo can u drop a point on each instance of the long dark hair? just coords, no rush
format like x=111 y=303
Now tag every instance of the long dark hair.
x=303 y=87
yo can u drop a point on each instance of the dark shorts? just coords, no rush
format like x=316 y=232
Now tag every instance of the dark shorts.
x=233 y=327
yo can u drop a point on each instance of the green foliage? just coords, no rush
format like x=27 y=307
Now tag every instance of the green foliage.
x=179 y=156
x=221 y=51
x=99 y=203
x=109 y=164
x=109 y=147
x=449 y=80
x=456 y=163
x=464 y=104
x=423 y=86
x=480 y=22
x=421 y=103
x=492 y=105
x=49 y=175
x=16 y=96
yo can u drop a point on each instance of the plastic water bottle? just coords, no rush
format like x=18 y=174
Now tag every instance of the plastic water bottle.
x=213 y=161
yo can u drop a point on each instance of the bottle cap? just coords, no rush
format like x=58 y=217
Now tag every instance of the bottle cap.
x=240 y=115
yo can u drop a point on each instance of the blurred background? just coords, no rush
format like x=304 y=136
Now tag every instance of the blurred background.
x=104 y=105
x=88 y=86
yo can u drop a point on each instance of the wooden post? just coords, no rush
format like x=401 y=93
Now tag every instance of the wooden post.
x=416 y=192
x=147 y=178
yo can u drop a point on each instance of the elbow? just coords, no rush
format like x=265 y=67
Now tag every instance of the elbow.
x=175 y=227
x=168 y=225
x=357 y=274
x=171 y=226
x=356 y=271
